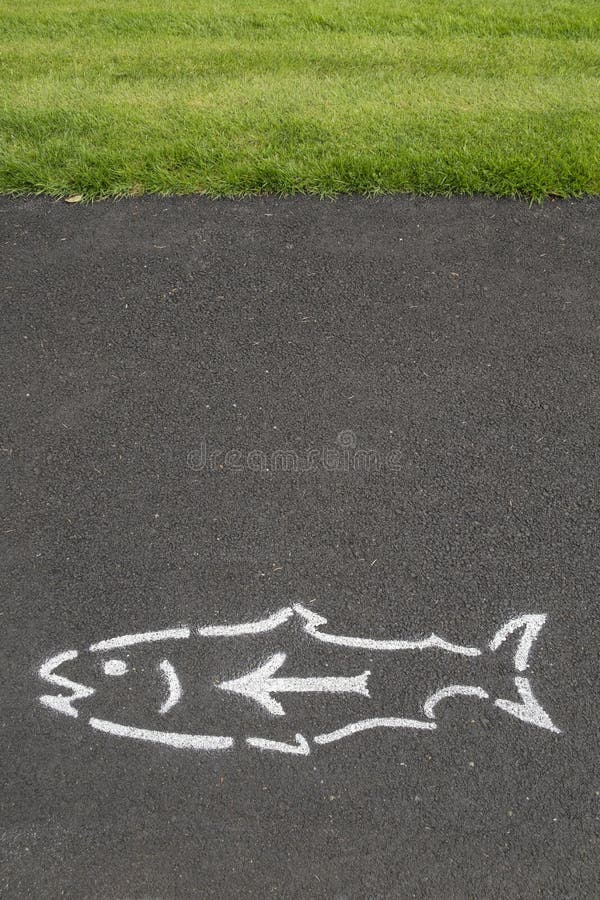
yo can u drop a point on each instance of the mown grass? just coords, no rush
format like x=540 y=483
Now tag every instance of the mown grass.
x=113 y=97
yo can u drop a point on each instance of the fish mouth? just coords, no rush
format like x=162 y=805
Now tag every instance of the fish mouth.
x=62 y=703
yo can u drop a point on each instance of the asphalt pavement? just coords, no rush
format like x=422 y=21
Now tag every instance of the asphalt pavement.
x=300 y=548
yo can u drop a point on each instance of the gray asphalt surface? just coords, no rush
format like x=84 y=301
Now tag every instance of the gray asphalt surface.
x=385 y=411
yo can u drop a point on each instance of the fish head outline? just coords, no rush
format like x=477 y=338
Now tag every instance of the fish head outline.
x=110 y=660
x=76 y=677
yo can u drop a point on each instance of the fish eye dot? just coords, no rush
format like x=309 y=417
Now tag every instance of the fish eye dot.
x=115 y=667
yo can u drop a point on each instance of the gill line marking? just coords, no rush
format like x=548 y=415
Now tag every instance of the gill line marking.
x=313 y=621
x=453 y=690
x=170 y=738
x=173 y=686
x=59 y=702
x=143 y=637
x=300 y=748
x=257 y=627
x=368 y=724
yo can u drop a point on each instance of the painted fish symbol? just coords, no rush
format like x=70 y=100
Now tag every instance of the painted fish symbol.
x=266 y=684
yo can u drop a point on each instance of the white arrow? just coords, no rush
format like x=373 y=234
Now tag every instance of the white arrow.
x=259 y=684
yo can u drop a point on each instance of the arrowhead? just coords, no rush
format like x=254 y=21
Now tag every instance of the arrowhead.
x=255 y=684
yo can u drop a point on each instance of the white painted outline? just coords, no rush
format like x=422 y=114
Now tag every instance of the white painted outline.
x=59 y=702
x=300 y=748
x=170 y=738
x=531 y=624
x=174 y=691
x=313 y=622
x=262 y=625
x=529 y=710
x=259 y=684
x=368 y=724
x=453 y=690
x=143 y=637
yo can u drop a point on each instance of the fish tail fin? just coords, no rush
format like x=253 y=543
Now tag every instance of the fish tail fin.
x=529 y=627
x=529 y=709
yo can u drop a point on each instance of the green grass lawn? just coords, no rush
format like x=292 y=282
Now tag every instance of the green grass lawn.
x=114 y=97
